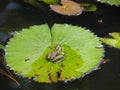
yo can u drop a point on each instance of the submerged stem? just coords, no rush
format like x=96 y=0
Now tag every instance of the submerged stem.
x=9 y=75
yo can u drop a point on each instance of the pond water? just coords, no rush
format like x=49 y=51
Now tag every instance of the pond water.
x=16 y=15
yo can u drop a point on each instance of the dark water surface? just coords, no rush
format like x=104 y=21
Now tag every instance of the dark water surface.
x=17 y=15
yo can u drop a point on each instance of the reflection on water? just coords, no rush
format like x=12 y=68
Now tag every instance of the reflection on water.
x=3 y=38
x=16 y=15
x=12 y=6
x=2 y=17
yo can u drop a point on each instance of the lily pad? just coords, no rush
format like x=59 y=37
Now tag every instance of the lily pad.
x=51 y=1
x=88 y=7
x=67 y=7
x=27 y=52
x=113 y=40
x=111 y=2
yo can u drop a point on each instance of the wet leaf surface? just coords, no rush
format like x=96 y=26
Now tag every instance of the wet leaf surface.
x=26 y=52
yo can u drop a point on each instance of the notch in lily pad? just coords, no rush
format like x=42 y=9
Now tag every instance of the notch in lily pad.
x=63 y=53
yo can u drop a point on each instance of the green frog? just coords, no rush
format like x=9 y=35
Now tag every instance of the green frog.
x=56 y=54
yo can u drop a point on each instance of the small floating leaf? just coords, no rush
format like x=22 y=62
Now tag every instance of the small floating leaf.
x=51 y=1
x=68 y=7
x=88 y=7
x=65 y=53
x=36 y=2
x=113 y=41
x=111 y=2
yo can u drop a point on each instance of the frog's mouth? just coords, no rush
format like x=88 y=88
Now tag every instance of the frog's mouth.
x=56 y=54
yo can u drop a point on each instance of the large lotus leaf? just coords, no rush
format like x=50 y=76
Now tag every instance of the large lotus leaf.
x=27 y=52
x=111 y=2
x=113 y=40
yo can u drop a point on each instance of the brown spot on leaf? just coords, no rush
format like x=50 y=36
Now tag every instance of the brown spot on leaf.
x=62 y=65
x=77 y=64
x=59 y=73
x=48 y=71
x=37 y=75
x=40 y=67
x=66 y=78
x=68 y=7
x=27 y=59
x=50 y=76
